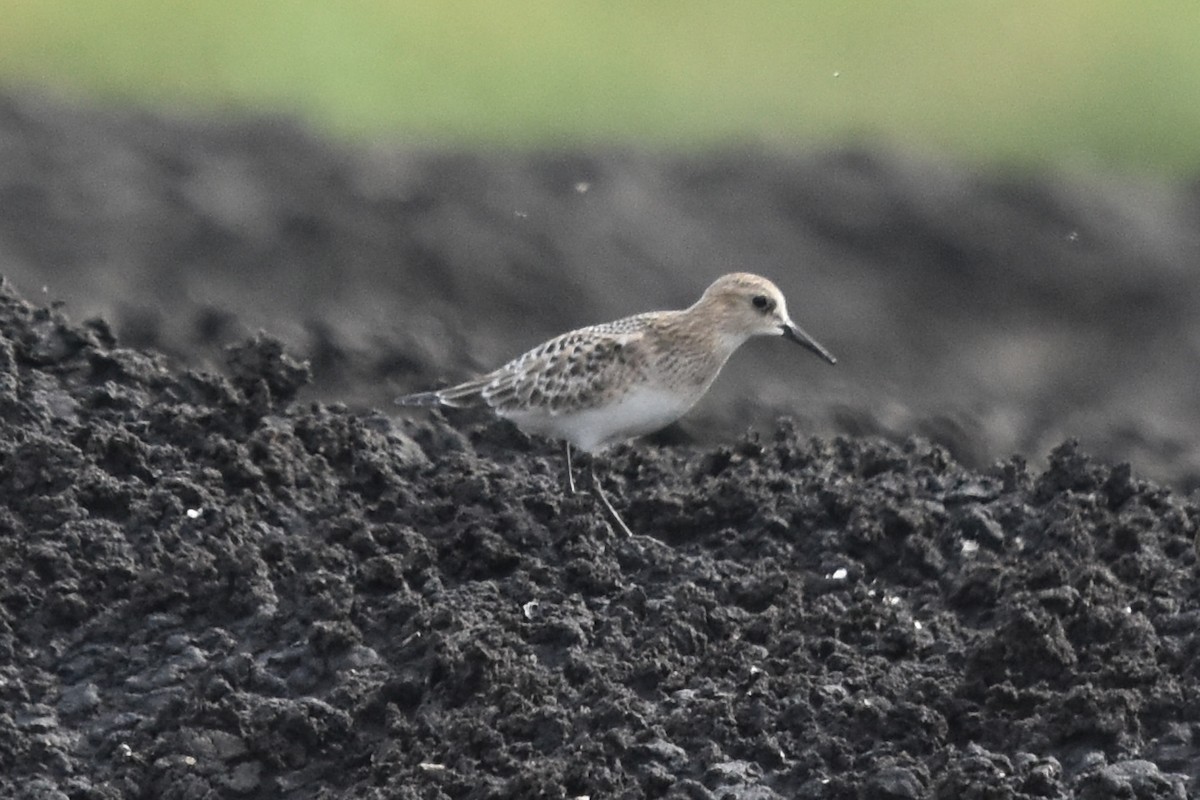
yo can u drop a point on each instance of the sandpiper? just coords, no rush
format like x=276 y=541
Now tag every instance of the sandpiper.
x=597 y=386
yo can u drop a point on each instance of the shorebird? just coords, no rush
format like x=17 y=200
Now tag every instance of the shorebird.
x=597 y=386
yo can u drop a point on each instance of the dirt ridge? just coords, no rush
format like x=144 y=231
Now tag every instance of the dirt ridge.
x=213 y=589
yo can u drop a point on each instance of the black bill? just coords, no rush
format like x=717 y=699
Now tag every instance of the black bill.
x=801 y=338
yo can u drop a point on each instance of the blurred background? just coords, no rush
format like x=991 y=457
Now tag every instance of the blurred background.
x=1077 y=82
x=988 y=210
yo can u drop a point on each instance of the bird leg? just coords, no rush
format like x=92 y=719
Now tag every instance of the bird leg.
x=608 y=505
x=570 y=475
x=599 y=490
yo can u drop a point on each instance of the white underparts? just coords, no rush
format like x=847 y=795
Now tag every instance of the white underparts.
x=640 y=411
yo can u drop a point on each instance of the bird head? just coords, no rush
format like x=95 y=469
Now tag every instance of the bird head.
x=742 y=305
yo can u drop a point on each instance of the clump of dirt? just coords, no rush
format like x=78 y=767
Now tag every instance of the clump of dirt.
x=213 y=589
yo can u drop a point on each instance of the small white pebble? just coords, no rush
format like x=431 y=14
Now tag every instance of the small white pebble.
x=189 y=760
x=838 y=574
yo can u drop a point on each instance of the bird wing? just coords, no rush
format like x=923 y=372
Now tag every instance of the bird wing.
x=577 y=370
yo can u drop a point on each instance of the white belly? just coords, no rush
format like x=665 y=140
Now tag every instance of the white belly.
x=641 y=411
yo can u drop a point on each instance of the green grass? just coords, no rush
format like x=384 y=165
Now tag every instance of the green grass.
x=1071 y=82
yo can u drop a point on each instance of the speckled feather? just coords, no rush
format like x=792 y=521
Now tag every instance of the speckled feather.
x=577 y=370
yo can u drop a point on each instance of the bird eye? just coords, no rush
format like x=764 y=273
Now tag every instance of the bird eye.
x=763 y=303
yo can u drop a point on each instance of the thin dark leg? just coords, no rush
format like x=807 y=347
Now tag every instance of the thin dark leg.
x=604 y=499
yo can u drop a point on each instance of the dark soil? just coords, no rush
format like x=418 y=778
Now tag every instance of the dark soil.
x=219 y=581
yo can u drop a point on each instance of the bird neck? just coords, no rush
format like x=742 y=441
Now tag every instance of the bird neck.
x=696 y=324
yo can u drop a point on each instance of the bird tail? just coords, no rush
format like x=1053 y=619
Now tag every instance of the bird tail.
x=463 y=395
